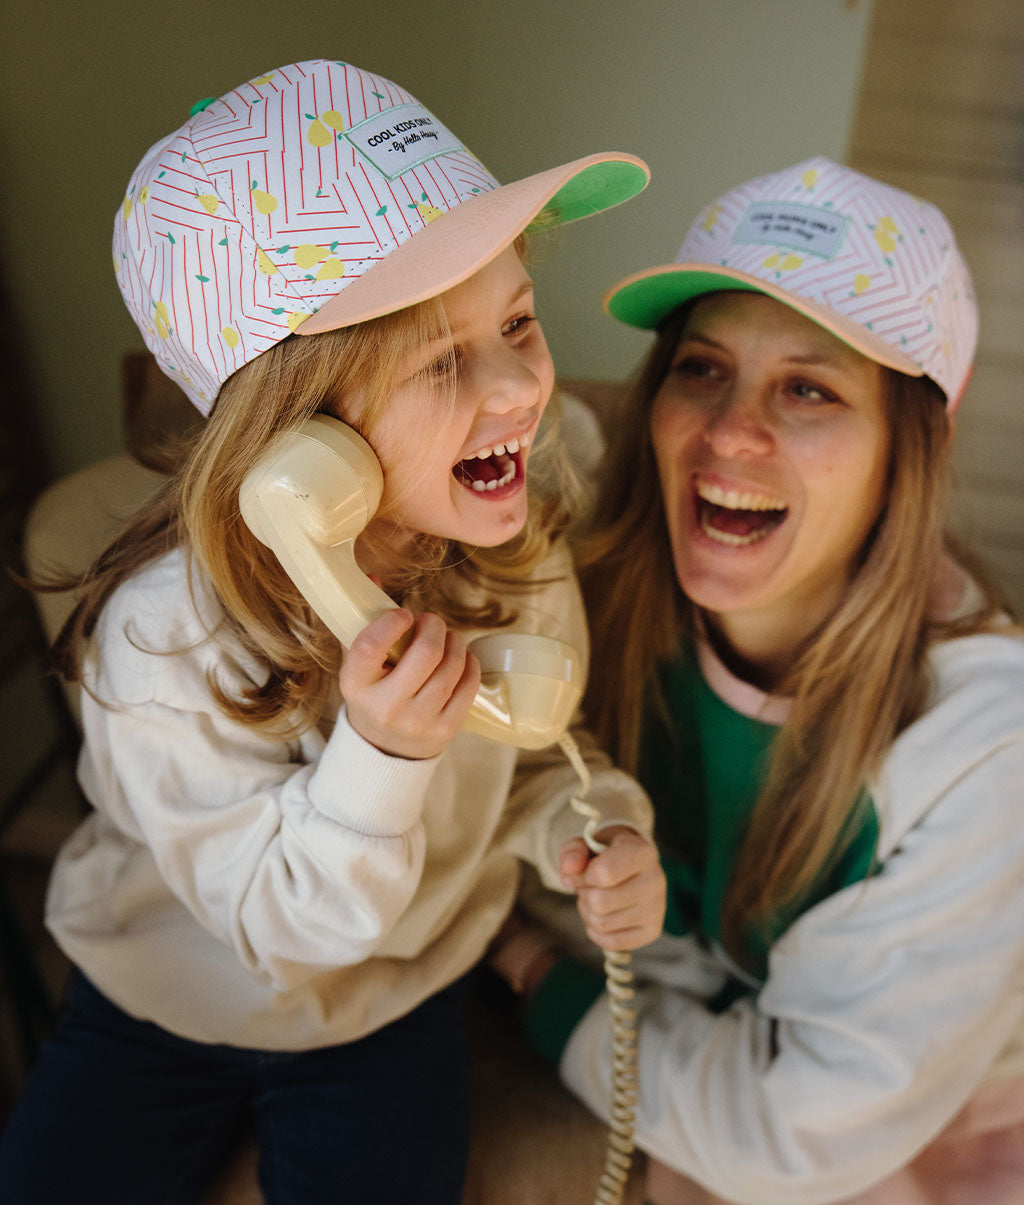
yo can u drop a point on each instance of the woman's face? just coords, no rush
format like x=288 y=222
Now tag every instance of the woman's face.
x=772 y=446
x=456 y=467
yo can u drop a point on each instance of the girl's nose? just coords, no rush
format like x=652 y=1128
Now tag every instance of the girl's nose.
x=504 y=381
x=738 y=425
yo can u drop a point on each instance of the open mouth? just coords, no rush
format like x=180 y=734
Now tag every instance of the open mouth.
x=737 y=518
x=491 y=470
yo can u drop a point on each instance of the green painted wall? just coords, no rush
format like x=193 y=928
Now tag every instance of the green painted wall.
x=708 y=91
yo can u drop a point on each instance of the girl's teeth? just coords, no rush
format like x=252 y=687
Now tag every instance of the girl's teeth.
x=509 y=475
x=512 y=445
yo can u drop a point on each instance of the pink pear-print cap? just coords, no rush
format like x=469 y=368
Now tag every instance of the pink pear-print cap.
x=874 y=265
x=313 y=197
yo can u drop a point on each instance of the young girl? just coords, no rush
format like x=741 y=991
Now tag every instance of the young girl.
x=290 y=869
x=828 y=711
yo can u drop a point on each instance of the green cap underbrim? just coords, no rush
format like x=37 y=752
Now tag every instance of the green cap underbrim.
x=598 y=187
x=647 y=302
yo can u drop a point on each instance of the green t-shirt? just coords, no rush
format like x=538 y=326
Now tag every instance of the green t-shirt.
x=703 y=775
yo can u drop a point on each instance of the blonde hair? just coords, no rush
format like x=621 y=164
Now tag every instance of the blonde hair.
x=859 y=681
x=263 y=609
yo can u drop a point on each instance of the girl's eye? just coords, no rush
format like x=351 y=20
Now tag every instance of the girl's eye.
x=444 y=366
x=519 y=324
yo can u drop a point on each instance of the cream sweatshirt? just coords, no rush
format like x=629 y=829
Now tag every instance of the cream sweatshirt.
x=281 y=894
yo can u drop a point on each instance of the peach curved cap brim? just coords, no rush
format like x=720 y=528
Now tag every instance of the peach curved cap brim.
x=457 y=244
x=646 y=298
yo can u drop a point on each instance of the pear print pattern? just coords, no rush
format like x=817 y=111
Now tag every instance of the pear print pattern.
x=818 y=237
x=279 y=197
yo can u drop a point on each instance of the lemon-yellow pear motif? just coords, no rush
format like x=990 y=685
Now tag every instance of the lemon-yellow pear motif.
x=318 y=134
x=208 y=201
x=127 y=208
x=332 y=269
x=884 y=232
x=295 y=320
x=784 y=263
x=262 y=79
x=265 y=264
x=860 y=282
x=144 y=194
x=230 y=336
x=429 y=213
x=710 y=218
x=265 y=202
x=308 y=254
x=333 y=119
x=810 y=177
x=161 y=320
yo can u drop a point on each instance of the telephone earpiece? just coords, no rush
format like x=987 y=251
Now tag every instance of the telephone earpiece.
x=309 y=497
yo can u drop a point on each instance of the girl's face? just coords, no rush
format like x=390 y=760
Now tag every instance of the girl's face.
x=456 y=468
x=772 y=446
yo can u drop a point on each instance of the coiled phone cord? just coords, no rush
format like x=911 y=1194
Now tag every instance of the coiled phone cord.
x=619 y=984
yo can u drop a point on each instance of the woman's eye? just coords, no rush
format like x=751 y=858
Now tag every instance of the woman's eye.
x=695 y=368
x=806 y=391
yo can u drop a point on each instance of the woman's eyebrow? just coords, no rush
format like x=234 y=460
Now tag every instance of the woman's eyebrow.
x=811 y=359
x=822 y=360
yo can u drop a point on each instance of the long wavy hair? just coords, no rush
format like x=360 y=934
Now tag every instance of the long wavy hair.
x=859 y=680
x=198 y=510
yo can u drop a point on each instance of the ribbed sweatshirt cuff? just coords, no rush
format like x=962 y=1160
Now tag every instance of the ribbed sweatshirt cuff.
x=366 y=790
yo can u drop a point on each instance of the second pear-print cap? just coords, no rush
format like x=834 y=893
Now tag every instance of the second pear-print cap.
x=874 y=265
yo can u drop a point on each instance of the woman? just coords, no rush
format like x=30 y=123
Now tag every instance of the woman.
x=827 y=709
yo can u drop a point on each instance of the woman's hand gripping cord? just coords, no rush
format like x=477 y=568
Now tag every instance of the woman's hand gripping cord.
x=620 y=891
x=411 y=706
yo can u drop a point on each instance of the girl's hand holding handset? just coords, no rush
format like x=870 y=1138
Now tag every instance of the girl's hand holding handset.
x=620 y=892
x=413 y=707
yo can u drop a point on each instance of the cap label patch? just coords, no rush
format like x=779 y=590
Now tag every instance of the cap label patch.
x=402 y=138
x=800 y=227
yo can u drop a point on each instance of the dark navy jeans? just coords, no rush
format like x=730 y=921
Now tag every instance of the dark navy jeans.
x=121 y=1112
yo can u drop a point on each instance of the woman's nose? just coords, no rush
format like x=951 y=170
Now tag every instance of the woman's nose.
x=738 y=425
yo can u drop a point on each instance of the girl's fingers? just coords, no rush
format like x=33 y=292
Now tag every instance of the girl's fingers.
x=573 y=862
x=422 y=656
x=461 y=698
x=615 y=909
x=366 y=660
x=627 y=854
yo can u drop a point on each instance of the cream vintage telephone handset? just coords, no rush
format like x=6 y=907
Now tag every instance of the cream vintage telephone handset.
x=307 y=499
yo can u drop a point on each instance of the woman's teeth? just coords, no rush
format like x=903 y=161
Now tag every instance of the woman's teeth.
x=735 y=500
x=737 y=518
